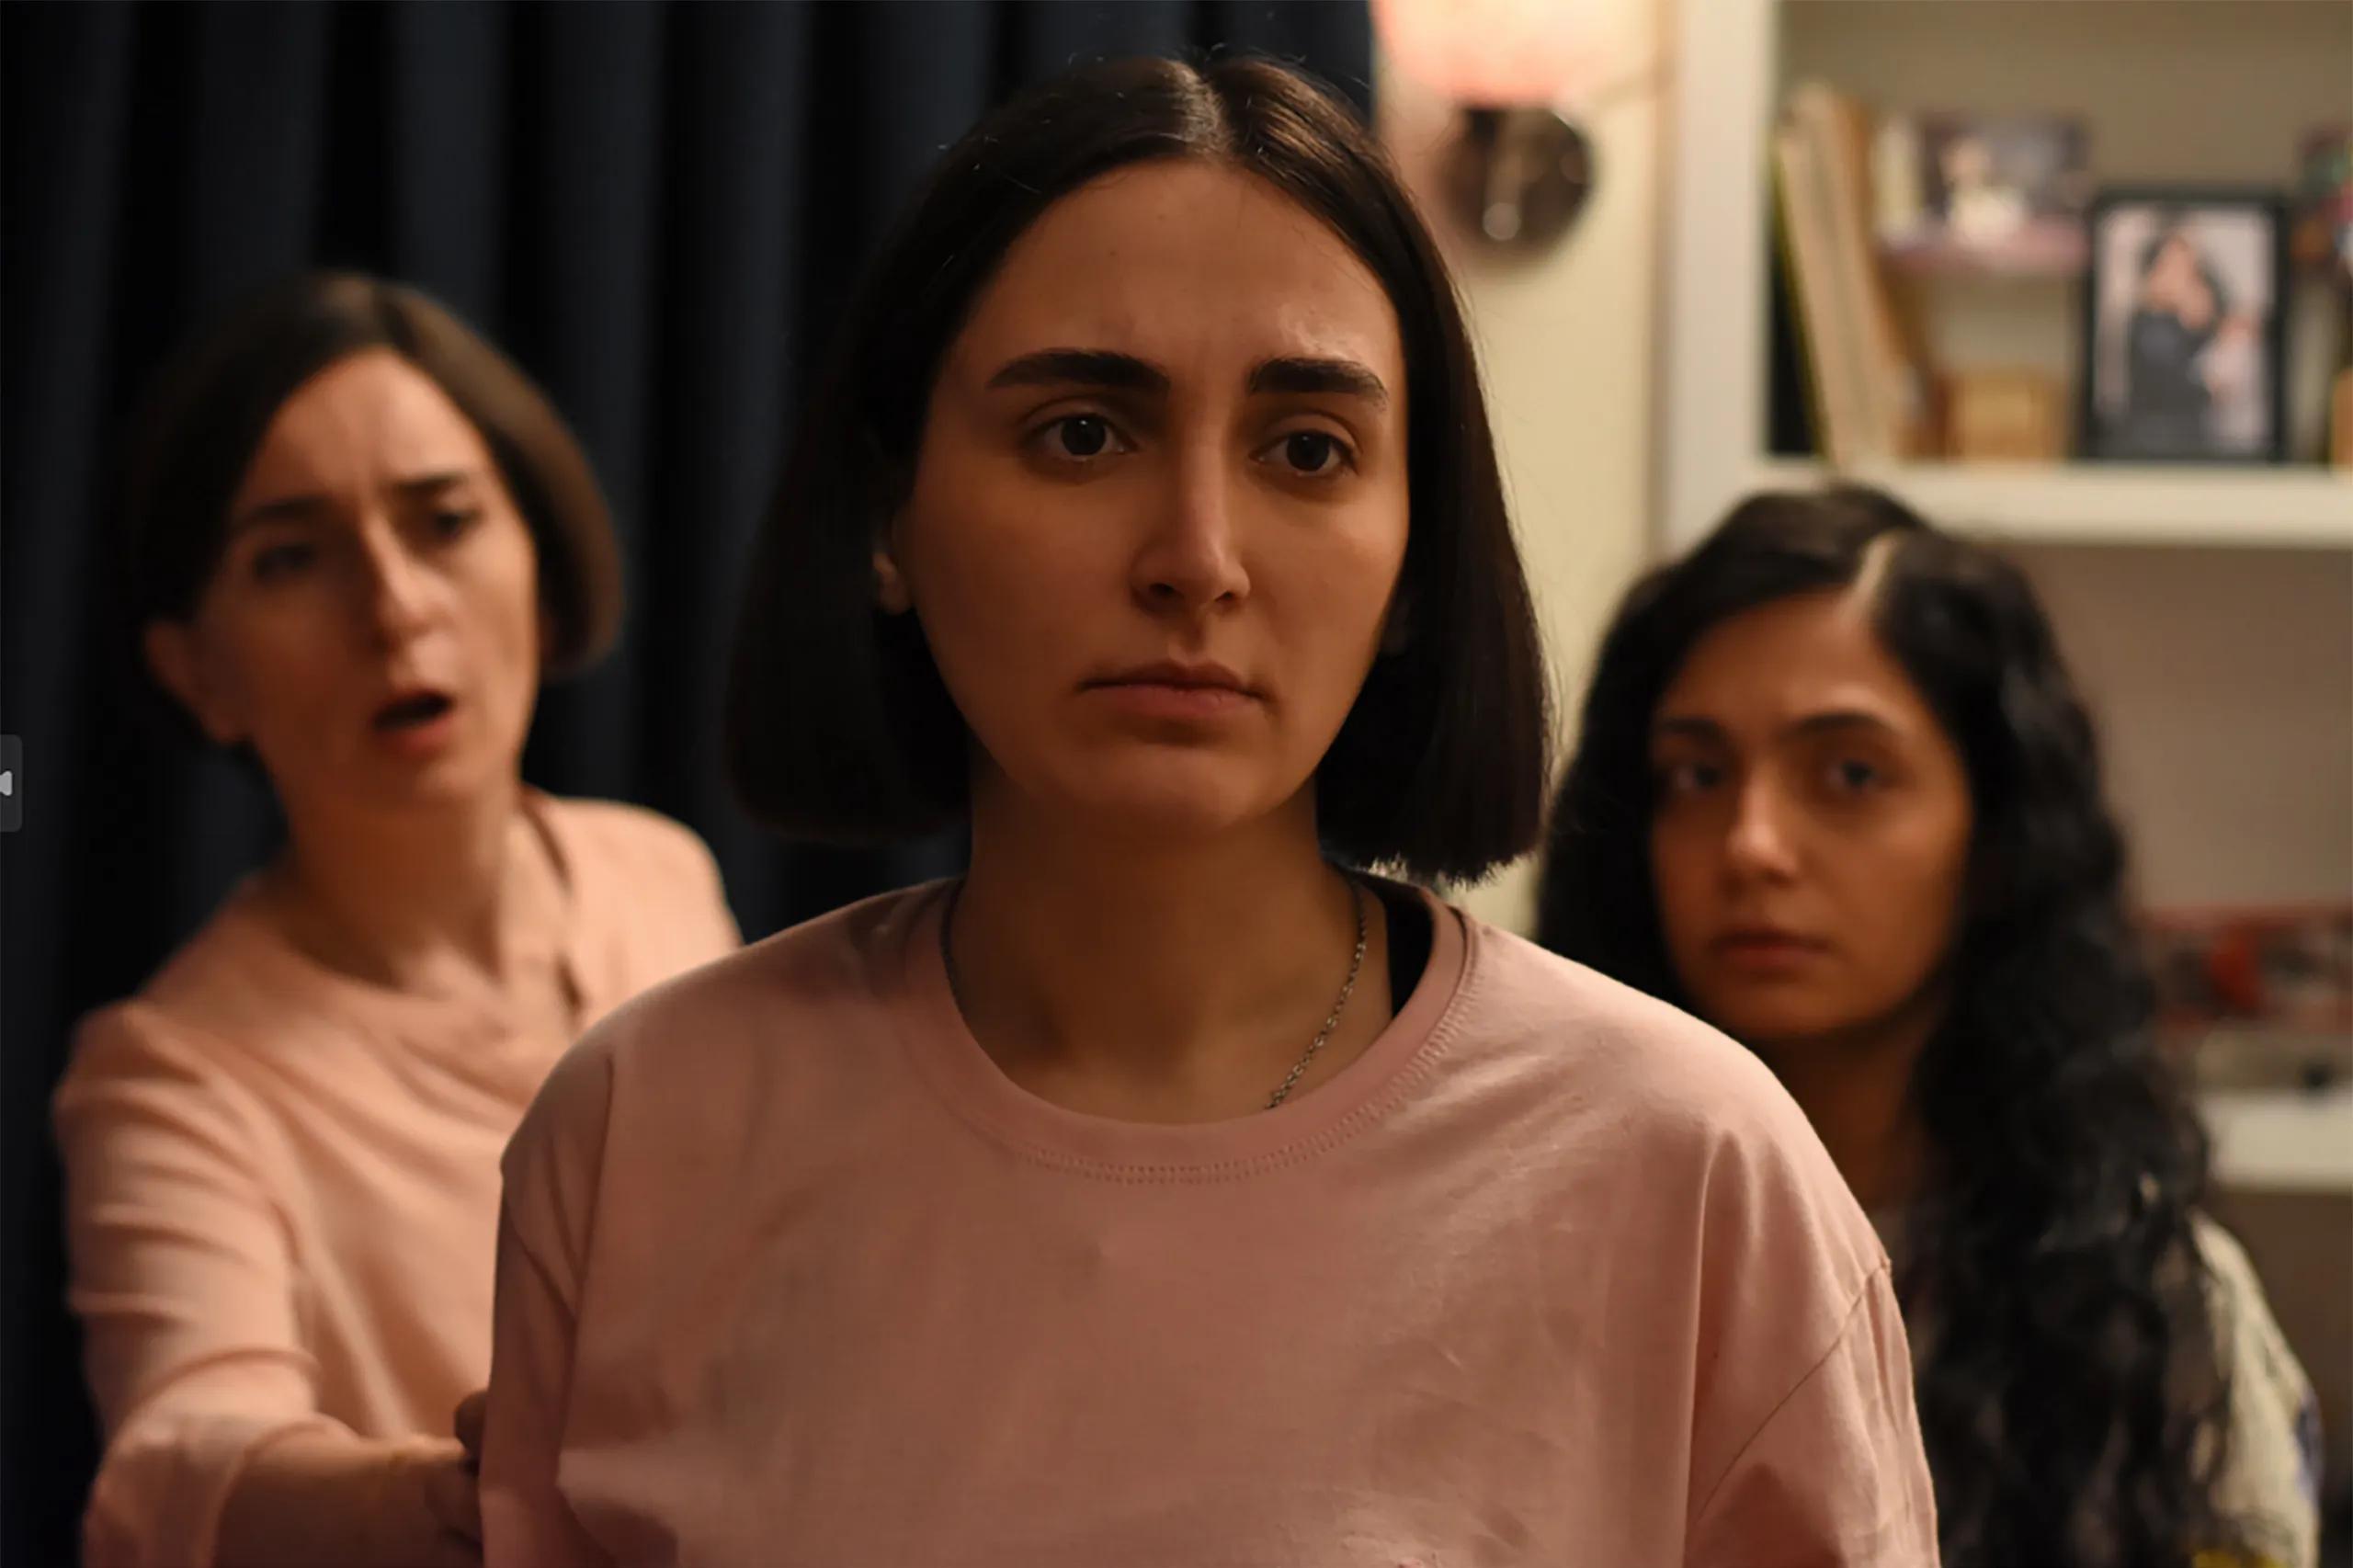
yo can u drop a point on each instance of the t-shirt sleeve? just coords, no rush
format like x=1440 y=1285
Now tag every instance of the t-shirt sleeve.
x=672 y=885
x=545 y=1221
x=703 y=894
x=182 y=1279
x=1806 y=1450
x=1834 y=1477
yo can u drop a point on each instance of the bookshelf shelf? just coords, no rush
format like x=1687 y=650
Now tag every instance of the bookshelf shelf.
x=2054 y=251
x=2111 y=503
x=2280 y=1140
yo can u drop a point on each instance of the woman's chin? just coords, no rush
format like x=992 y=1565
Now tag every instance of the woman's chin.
x=1182 y=801
x=1766 y=1022
x=451 y=781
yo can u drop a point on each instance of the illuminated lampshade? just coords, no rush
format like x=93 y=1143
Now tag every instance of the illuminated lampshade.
x=1495 y=53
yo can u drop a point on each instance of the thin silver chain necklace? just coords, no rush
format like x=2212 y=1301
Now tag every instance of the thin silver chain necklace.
x=1348 y=987
x=1282 y=1090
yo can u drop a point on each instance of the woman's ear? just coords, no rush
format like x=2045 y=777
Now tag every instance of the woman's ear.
x=891 y=594
x=178 y=666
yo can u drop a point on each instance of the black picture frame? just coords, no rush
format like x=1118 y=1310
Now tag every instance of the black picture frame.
x=2174 y=413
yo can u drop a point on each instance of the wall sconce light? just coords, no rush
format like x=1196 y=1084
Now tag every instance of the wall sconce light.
x=1516 y=172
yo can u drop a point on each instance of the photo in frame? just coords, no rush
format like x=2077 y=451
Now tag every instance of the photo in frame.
x=2183 y=329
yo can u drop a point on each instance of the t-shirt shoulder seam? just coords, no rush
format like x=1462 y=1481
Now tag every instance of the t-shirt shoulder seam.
x=1847 y=1319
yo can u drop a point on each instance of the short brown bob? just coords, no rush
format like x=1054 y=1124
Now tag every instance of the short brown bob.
x=209 y=406
x=838 y=726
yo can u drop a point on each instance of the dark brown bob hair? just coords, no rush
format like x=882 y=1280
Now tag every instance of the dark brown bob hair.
x=208 y=409
x=839 y=728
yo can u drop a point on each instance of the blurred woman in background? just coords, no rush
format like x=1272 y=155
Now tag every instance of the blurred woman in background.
x=1836 y=793
x=358 y=538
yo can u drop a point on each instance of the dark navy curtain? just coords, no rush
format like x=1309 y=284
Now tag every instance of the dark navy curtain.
x=658 y=209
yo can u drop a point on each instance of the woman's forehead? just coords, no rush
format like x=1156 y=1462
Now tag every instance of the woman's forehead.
x=368 y=415
x=1792 y=659
x=1190 y=266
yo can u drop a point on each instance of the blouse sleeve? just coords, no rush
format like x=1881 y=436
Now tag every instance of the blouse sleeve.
x=2269 y=1482
x=182 y=1276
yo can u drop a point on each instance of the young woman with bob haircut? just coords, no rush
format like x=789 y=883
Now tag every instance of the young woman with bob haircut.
x=1171 y=1190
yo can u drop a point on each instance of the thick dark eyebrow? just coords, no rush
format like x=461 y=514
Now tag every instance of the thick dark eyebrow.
x=1082 y=366
x=1839 y=718
x=1829 y=721
x=1114 y=372
x=1706 y=730
x=306 y=507
x=426 y=484
x=1343 y=376
x=285 y=509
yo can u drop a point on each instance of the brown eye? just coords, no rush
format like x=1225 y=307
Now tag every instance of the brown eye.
x=1083 y=436
x=1681 y=779
x=1312 y=454
x=278 y=561
x=1853 y=776
x=1311 y=451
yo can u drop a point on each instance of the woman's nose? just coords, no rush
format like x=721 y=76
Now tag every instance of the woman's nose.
x=396 y=590
x=1760 y=843
x=1192 y=559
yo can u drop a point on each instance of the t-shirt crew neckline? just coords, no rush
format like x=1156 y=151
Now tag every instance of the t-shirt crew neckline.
x=912 y=965
x=430 y=1017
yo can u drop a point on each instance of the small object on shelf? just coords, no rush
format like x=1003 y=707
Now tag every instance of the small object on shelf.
x=2322 y=239
x=2275 y=973
x=2000 y=193
x=2183 y=327
x=2004 y=415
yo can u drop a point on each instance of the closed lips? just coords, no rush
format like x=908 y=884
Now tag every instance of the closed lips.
x=1184 y=677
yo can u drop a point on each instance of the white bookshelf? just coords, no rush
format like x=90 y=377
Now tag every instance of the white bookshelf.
x=1999 y=54
x=2281 y=1140
x=2109 y=503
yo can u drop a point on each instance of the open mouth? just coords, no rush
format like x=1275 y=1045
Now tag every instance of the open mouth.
x=413 y=711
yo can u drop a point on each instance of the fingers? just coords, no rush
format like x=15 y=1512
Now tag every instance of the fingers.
x=455 y=1500
x=469 y=1421
x=452 y=1551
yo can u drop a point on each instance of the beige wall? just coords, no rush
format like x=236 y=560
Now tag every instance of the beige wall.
x=1565 y=339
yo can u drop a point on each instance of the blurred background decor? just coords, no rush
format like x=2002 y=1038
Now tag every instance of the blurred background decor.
x=2184 y=326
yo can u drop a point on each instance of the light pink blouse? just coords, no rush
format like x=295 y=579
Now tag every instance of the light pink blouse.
x=282 y=1182
x=790 y=1272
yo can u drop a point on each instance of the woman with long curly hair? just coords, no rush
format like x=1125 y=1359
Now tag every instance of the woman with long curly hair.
x=1836 y=793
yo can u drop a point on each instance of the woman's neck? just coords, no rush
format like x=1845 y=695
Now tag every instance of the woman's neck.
x=1856 y=1088
x=438 y=902
x=1160 y=982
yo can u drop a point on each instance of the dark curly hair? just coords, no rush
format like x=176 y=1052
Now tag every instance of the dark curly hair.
x=2069 y=1388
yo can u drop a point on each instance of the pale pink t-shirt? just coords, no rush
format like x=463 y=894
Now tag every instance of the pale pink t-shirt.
x=282 y=1183
x=789 y=1273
